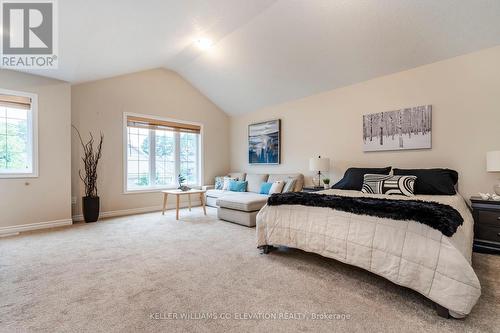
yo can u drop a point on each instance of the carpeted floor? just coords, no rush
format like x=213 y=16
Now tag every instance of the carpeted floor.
x=137 y=273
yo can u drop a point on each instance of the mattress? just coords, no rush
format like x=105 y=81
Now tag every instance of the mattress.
x=408 y=253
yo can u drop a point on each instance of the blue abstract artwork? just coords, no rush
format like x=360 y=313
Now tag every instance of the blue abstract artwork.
x=264 y=142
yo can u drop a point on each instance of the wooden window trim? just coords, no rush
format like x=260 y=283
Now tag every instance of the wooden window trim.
x=141 y=122
x=11 y=101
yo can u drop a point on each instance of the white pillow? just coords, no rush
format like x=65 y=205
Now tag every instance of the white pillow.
x=277 y=187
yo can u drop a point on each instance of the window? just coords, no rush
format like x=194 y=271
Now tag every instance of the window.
x=158 y=150
x=18 y=135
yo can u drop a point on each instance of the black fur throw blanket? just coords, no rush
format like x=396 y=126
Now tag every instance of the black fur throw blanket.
x=438 y=216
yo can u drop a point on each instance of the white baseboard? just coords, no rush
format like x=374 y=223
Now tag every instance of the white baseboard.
x=133 y=211
x=16 y=229
x=9 y=235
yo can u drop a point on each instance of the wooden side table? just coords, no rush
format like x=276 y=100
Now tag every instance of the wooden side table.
x=486 y=225
x=178 y=194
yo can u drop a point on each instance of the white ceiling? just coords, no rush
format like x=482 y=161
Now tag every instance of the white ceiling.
x=103 y=38
x=266 y=51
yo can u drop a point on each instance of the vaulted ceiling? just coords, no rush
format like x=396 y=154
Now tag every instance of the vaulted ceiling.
x=267 y=51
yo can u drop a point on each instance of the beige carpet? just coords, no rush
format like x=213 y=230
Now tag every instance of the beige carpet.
x=117 y=275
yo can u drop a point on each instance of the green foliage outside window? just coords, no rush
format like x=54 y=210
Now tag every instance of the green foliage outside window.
x=13 y=145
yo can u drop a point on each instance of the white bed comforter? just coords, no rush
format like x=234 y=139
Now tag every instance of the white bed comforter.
x=408 y=253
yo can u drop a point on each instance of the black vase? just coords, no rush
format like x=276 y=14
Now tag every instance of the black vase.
x=90 y=209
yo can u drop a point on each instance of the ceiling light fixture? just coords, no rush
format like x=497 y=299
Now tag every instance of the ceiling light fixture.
x=204 y=43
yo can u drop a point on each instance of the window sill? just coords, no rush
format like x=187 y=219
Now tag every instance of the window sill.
x=18 y=175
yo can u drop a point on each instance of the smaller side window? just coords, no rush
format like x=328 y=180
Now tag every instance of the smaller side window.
x=18 y=135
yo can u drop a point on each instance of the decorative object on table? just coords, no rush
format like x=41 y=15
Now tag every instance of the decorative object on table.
x=493 y=165
x=408 y=128
x=486 y=215
x=485 y=196
x=264 y=142
x=181 y=180
x=319 y=164
x=326 y=183
x=91 y=157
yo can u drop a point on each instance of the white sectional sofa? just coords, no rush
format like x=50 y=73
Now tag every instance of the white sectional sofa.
x=242 y=207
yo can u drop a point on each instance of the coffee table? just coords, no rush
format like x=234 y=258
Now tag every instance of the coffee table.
x=178 y=194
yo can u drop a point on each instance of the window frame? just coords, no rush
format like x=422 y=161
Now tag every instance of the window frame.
x=33 y=124
x=156 y=189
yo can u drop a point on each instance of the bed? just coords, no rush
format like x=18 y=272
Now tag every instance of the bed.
x=406 y=252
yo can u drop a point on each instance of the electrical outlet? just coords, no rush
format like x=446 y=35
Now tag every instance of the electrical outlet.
x=73 y=200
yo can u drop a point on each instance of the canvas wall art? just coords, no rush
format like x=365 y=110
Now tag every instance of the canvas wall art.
x=408 y=128
x=264 y=142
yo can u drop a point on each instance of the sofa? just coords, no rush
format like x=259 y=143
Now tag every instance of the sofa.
x=242 y=207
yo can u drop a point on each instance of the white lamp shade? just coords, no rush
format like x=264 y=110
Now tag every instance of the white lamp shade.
x=319 y=164
x=493 y=161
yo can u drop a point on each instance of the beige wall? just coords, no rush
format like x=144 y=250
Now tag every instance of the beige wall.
x=99 y=106
x=47 y=197
x=464 y=92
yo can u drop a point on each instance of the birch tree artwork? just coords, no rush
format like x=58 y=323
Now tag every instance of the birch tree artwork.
x=408 y=128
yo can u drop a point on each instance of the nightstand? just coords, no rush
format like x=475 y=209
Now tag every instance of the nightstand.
x=486 y=225
x=312 y=188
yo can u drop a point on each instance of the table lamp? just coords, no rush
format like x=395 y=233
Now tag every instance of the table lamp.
x=493 y=165
x=319 y=164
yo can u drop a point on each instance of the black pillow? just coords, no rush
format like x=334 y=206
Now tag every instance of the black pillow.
x=353 y=177
x=432 y=181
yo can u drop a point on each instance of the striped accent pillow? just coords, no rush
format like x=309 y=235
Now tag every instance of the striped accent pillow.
x=388 y=184
x=289 y=185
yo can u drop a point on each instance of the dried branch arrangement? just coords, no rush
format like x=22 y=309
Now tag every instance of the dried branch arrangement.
x=90 y=160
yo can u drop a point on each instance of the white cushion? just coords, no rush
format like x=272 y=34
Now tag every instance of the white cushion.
x=237 y=216
x=277 y=187
x=244 y=201
x=216 y=193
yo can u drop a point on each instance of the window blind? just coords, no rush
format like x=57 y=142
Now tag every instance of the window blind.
x=18 y=102
x=140 y=122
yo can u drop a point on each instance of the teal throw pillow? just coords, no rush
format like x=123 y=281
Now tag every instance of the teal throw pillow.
x=237 y=186
x=265 y=188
